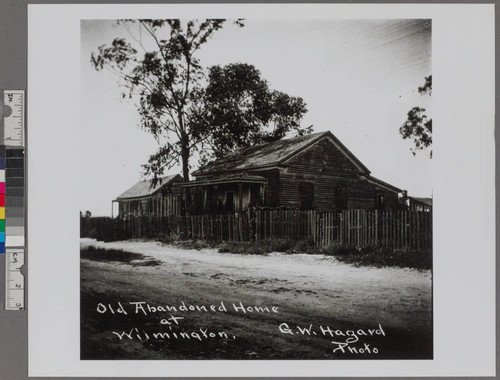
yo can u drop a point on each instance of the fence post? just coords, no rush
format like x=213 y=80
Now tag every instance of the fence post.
x=250 y=225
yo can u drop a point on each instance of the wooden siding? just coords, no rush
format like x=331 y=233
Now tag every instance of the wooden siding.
x=323 y=167
x=322 y=159
x=154 y=206
x=363 y=195
x=327 y=169
x=166 y=202
x=272 y=193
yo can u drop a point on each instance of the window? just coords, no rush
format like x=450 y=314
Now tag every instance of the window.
x=380 y=201
x=306 y=191
x=342 y=197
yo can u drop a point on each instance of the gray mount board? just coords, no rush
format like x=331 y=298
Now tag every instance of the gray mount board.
x=13 y=58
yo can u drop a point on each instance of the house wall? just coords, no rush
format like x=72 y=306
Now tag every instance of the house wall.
x=327 y=169
x=166 y=202
x=363 y=195
x=272 y=189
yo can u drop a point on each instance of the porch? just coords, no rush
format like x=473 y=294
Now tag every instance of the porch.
x=224 y=194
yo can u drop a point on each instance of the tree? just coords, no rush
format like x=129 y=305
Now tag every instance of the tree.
x=418 y=126
x=239 y=109
x=173 y=94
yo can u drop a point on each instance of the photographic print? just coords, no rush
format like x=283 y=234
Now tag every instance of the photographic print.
x=256 y=189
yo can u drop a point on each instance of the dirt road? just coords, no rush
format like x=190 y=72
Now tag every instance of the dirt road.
x=323 y=309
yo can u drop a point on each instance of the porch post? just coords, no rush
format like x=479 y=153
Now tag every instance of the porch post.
x=240 y=198
x=205 y=194
x=215 y=206
x=186 y=201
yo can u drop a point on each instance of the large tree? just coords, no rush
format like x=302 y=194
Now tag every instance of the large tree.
x=240 y=109
x=418 y=126
x=176 y=100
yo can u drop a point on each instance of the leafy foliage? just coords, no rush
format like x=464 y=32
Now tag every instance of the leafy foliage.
x=180 y=107
x=166 y=80
x=418 y=127
x=427 y=87
x=240 y=110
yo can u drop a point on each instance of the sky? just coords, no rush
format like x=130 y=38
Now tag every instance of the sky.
x=359 y=78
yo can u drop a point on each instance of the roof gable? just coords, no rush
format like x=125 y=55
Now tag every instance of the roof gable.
x=426 y=201
x=144 y=189
x=270 y=154
x=383 y=184
x=341 y=147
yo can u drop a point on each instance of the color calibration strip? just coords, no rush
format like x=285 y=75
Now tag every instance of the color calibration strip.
x=12 y=199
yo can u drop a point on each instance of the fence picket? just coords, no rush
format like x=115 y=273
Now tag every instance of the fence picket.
x=408 y=230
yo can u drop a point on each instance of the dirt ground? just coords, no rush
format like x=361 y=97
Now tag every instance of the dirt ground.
x=323 y=309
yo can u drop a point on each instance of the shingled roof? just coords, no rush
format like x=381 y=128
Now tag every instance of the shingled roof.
x=270 y=154
x=144 y=189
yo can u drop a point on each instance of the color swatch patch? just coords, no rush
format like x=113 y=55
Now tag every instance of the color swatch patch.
x=11 y=197
x=14 y=197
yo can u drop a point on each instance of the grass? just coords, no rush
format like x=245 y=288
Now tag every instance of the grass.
x=117 y=255
x=368 y=256
x=177 y=241
x=269 y=245
x=380 y=257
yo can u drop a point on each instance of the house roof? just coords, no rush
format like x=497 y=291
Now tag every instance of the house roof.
x=383 y=184
x=144 y=189
x=227 y=178
x=271 y=154
x=425 y=201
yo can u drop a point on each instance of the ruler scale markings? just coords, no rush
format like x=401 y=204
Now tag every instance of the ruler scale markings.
x=14 y=279
x=14 y=124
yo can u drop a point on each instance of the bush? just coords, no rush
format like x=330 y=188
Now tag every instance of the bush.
x=380 y=257
x=339 y=250
x=242 y=248
x=193 y=244
x=117 y=255
x=167 y=238
x=270 y=245
x=102 y=228
x=304 y=246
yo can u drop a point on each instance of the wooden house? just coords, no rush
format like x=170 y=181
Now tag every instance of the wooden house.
x=420 y=204
x=143 y=199
x=314 y=171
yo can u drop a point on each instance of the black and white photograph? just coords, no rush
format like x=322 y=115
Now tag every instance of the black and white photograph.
x=292 y=190
x=256 y=189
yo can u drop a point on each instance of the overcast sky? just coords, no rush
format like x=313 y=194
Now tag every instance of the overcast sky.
x=358 y=78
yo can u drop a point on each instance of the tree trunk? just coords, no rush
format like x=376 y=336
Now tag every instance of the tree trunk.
x=185 y=171
x=185 y=164
x=184 y=146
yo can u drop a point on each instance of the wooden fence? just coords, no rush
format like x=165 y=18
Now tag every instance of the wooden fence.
x=402 y=230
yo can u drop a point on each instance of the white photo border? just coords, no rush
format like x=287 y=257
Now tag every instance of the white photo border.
x=464 y=193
